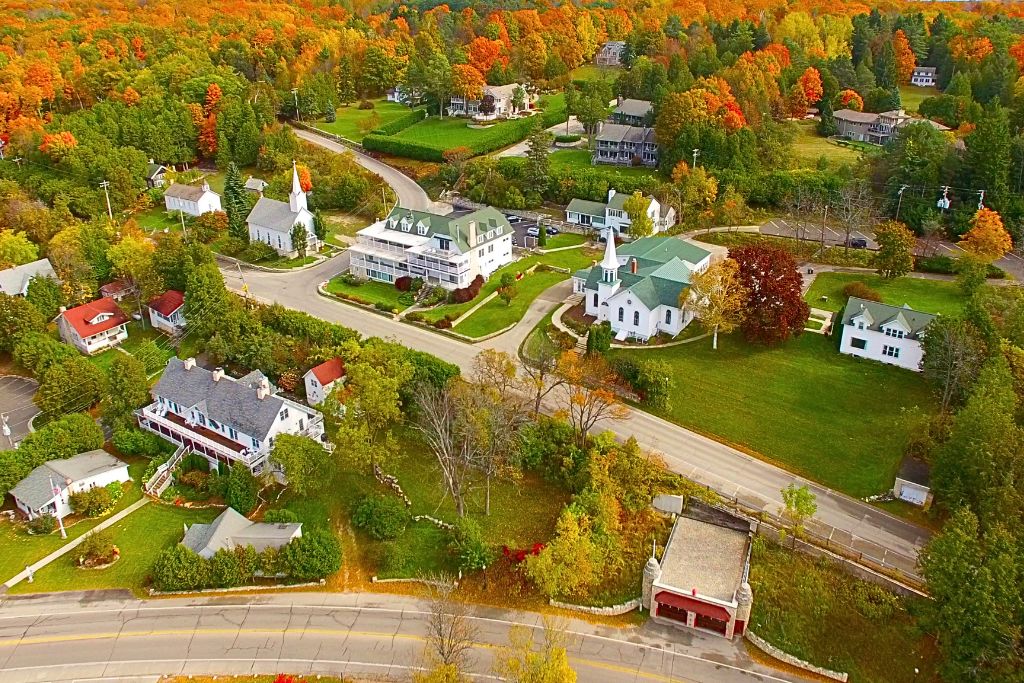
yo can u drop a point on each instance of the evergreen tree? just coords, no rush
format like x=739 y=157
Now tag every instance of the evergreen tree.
x=245 y=146
x=235 y=204
x=987 y=160
x=886 y=72
x=538 y=168
x=223 y=151
x=319 y=225
x=827 y=124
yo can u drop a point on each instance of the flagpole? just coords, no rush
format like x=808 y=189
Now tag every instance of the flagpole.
x=60 y=519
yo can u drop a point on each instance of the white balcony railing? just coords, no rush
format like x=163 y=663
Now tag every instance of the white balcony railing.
x=156 y=420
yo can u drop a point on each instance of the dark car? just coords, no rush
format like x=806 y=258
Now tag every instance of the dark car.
x=858 y=243
x=551 y=230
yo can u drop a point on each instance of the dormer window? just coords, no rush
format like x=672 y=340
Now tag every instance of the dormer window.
x=421 y=229
x=100 y=318
x=406 y=225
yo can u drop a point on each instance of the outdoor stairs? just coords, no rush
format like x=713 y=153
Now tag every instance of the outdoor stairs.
x=581 y=344
x=165 y=473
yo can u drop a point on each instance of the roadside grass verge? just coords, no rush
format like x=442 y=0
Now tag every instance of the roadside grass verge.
x=370 y=292
x=496 y=314
x=349 y=121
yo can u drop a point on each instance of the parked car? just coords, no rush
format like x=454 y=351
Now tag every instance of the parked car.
x=533 y=232
x=512 y=218
x=858 y=243
x=551 y=230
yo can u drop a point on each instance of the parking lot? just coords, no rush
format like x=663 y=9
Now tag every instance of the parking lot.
x=16 y=404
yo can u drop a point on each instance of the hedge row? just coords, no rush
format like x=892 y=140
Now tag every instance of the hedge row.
x=945 y=265
x=511 y=133
x=401 y=123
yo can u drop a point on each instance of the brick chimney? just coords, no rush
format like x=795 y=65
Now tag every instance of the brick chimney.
x=472 y=233
x=632 y=265
x=217 y=374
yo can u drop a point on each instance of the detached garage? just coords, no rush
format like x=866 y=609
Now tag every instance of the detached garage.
x=912 y=482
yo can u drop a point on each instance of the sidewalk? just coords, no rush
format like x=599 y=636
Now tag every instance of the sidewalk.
x=68 y=547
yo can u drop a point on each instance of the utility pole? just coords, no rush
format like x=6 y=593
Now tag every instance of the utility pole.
x=60 y=500
x=295 y=94
x=245 y=286
x=106 y=192
x=981 y=199
x=2 y=153
x=899 y=202
x=7 y=430
x=696 y=153
x=184 y=233
x=823 y=222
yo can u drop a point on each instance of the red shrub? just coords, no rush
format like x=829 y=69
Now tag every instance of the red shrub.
x=443 y=324
x=403 y=284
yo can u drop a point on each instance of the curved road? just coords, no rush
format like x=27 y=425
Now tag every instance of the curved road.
x=113 y=637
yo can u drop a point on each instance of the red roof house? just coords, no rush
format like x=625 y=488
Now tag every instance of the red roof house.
x=320 y=380
x=167 y=311
x=94 y=326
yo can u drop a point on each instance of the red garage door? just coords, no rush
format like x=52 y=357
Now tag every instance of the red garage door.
x=689 y=604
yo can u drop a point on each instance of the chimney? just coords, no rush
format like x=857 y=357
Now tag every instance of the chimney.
x=619 y=100
x=217 y=374
x=472 y=233
x=263 y=389
x=189 y=363
x=151 y=161
x=62 y=309
x=206 y=186
x=632 y=266
x=611 y=193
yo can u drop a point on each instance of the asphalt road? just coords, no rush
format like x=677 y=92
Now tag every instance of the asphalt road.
x=726 y=469
x=102 y=637
x=16 y=403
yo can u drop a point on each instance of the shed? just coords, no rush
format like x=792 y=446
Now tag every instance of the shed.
x=913 y=482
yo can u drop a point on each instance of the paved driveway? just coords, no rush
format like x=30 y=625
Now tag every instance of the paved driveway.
x=16 y=403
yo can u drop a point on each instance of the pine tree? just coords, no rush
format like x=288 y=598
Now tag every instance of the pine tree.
x=223 y=151
x=235 y=204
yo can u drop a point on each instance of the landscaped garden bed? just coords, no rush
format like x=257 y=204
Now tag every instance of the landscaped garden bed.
x=381 y=295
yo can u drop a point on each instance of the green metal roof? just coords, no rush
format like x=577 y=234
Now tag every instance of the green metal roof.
x=882 y=314
x=586 y=206
x=663 y=250
x=487 y=218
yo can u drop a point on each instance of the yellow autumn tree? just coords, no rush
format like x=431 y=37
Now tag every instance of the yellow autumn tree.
x=987 y=239
x=716 y=297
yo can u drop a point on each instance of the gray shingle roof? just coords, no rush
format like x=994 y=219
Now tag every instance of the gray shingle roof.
x=855 y=116
x=14 y=281
x=881 y=314
x=255 y=184
x=35 y=490
x=915 y=470
x=190 y=193
x=231 y=529
x=631 y=107
x=229 y=402
x=273 y=214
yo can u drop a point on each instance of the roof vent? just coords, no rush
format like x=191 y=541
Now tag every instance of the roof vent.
x=218 y=373
x=189 y=363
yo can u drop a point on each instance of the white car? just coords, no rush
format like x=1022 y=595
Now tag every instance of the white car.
x=512 y=218
x=533 y=232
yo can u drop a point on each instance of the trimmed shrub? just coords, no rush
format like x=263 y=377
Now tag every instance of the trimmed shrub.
x=242 y=489
x=416 y=284
x=280 y=517
x=179 y=568
x=313 y=555
x=861 y=291
x=256 y=252
x=365 y=104
x=138 y=442
x=383 y=517
x=91 y=503
x=402 y=122
x=600 y=338
x=43 y=524
x=470 y=292
x=944 y=265
x=403 y=284
x=565 y=139
x=444 y=323
x=402 y=148
x=406 y=299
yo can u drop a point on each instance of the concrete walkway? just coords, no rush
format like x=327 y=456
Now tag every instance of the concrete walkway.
x=68 y=547
x=521 y=148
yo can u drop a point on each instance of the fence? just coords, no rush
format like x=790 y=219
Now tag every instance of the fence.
x=324 y=134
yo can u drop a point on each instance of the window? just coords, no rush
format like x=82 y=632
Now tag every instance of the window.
x=421 y=230
x=858 y=343
x=668 y=316
x=302 y=424
x=891 y=351
x=860 y=324
x=490 y=249
x=636 y=318
x=595 y=298
x=622 y=312
x=232 y=433
x=284 y=414
x=480 y=253
x=892 y=332
x=279 y=242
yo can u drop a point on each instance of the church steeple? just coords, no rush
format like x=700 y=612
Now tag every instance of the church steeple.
x=297 y=198
x=610 y=263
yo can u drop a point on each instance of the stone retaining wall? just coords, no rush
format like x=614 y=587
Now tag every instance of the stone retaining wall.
x=425 y=582
x=787 y=658
x=239 y=589
x=612 y=611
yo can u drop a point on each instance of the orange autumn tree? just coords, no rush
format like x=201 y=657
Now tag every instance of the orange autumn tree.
x=851 y=99
x=58 y=145
x=467 y=82
x=710 y=100
x=212 y=101
x=1017 y=52
x=131 y=96
x=305 y=180
x=905 y=59
x=484 y=53
x=806 y=91
x=972 y=50
x=987 y=239
x=208 y=136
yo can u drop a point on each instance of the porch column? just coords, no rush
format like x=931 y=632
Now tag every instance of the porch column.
x=691 y=619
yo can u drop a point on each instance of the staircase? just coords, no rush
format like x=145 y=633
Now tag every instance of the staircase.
x=164 y=474
x=581 y=344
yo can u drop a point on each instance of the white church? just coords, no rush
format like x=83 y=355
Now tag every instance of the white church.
x=271 y=221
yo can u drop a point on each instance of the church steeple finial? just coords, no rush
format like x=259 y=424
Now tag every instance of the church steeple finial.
x=610 y=263
x=297 y=198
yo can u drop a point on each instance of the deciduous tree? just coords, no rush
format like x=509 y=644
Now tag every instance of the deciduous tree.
x=717 y=298
x=640 y=224
x=307 y=465
x=895 y=255
x=16 y=249
x=523 y=662
x=953 y=354
x=128 y=389
x=987 y=239
x=590 y=397
x=775 y=308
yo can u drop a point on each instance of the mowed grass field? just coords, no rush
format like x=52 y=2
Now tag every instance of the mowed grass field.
x=911 y=96
x=496 y=314
x=832 y=418
x=580 y=158
x=808 y=147
x=351 y=120
x=929 y=296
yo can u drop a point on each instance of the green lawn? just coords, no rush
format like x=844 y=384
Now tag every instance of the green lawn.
x=21 y=549
x=453 y=131
x=580 y=158
x=911 y=96
x=832 y=418
x=133 y=345
x=157 y=219
x=140 y=536
x=496 y=314
x=349 y=118
x=341 y=223
x=814 y=610
x=808 y=147
x=592 y=72
x=370 y=292
x=929 y=296
x=564 y=239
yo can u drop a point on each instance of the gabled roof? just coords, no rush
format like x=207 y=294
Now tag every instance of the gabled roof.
x=329 y=371
x=273 y=214
x=663 y=270
x=256 y=184
x=81 y=317
x=586 y=206
x=115 y=287
x=924 y=70
x=617 y=132
x=457 y=229
x=190 y=193
x=879 y=315
x=168 y=302
x=36 y=490
x=631 y=107
x=14 y=281
x=229 y=402
x=230 y=529
x=664 y=249
x=153 y=170
x=854 y=116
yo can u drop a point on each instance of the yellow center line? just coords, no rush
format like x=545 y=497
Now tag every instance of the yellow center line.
x=112 y=635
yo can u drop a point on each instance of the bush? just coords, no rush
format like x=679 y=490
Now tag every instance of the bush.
x=861 y=291
x=944 y=265
x=600 y=338
x=43 y=524
x=280 y=517
x=470 y=292
x=650 y=379
x=406 y=299
x=116 y=490
x=200 y=481
x=224 y=570
x=242 y=489
x=386 y=307
x=232 y=246
x=435 y=296
x=352 y=280
x=402 y=122
x=566 y=139
x=403 y=284
x=179 y=568
x=257 y=251
x=91 y=503
x=365 y=104
x=138 y=442
x=417 y=284
x=468 y=545
x=444 y=323
x=194 y=461
x=383 y=517
x=313 y=555
x=96 y=549
x=403 y=148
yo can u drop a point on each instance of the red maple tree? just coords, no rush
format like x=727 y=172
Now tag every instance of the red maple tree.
x=775 y=307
